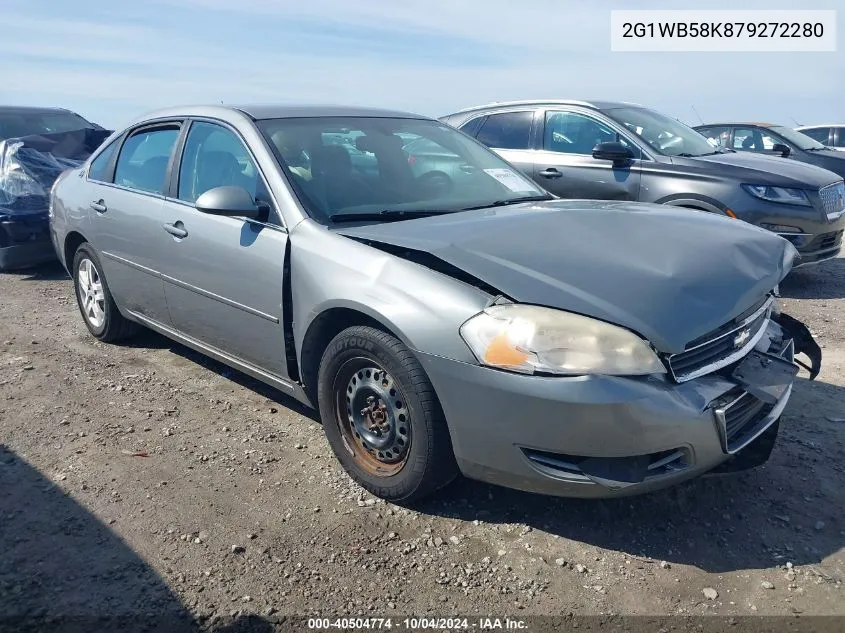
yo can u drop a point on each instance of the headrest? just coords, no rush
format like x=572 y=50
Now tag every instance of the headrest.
x=379 y=142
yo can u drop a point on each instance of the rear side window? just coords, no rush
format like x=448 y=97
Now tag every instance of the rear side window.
x=508 y=130
x=101 y=166
x=717 y=134
x=472 y=126
x=142 y=163
x=820 y=134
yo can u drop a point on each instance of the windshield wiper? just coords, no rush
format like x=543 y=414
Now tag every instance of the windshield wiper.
x=509 y=201
x=387 y=214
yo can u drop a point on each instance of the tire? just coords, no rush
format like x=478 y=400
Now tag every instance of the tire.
x=436 y=182
x=365 y=368
x=99 y=311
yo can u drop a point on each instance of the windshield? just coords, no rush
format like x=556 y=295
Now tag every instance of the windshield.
x=802 y=141
x=662 y=133
x=342 y=166
x=15 y=124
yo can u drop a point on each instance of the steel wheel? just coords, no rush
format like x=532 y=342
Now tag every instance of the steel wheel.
x=91 y=296
x=373 y=417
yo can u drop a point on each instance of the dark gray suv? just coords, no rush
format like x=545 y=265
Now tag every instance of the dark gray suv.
x=620 y=151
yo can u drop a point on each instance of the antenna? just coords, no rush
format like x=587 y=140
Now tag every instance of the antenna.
x=698 y=115
x=796 y=122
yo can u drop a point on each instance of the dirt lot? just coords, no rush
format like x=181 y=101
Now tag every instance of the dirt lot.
x=239 y=506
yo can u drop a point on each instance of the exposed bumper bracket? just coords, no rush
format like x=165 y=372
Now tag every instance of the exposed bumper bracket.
x=803 y=342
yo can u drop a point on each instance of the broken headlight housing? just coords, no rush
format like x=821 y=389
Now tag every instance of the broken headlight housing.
x=532 y=339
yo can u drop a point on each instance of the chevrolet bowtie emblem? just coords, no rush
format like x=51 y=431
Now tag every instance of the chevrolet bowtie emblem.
x=741 y=338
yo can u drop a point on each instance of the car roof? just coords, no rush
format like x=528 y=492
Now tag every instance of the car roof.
x=747 y=123
x=595 y=104
x=32 y=110
x=258 y=112
x=807 y=127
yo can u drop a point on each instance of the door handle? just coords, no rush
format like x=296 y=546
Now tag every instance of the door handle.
x=177 y=229
x=551 y=172
x=99 y=206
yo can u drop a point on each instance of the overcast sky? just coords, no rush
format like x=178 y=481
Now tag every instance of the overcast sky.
x=111 y=60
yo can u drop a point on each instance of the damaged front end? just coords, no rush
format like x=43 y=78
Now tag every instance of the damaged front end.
x=803 y=342
x=749 y=416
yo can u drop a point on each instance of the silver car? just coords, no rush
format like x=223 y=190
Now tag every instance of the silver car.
x=473 y=325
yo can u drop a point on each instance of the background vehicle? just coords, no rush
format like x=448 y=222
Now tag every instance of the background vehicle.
x=17 y=121
x=36 y=145
x=617 y=151
x=488 y=328
x=830 y=135
x=774 y=140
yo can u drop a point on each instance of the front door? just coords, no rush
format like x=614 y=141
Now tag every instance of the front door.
x=223 y=277
x=565 y=164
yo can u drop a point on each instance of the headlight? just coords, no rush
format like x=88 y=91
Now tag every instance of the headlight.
x=531 y=339
x=778 y=194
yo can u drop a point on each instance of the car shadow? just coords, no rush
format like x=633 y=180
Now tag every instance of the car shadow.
x=719 y=523
x=823 y=281
x=49 y=271
x=63 y=569
x=148 y=339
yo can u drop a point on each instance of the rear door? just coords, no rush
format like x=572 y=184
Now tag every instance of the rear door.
x=127 y=197
x=223 y=275
x=565 y=165
x=509 y=134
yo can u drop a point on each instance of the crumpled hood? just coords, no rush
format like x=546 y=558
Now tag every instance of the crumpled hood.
x=672 y=275
x=759 y=169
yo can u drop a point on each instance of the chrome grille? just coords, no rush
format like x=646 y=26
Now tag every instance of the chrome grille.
x=833 y=199
x=723 y=347
x=743 y=417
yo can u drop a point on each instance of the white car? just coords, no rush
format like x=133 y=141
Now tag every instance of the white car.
x=832 y=135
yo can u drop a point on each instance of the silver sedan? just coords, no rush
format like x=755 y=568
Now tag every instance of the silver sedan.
x=441 y=322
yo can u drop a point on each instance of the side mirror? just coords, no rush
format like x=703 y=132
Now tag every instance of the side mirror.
x=229 y=201
x=782 y=149
x=615 y=151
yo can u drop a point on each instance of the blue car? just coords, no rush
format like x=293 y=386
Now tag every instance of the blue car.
x=36 y=145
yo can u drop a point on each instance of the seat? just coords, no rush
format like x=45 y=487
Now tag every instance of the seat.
x=331 y=172
x=218 y=169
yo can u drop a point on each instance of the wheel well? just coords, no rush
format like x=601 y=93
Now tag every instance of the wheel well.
x=72 y=242
x=320 y=333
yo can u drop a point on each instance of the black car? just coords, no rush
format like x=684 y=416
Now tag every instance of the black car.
x=36 y=145
x=775 y=140
x=611 y=150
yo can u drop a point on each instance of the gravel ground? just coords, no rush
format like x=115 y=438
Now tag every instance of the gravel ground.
x=147 y=480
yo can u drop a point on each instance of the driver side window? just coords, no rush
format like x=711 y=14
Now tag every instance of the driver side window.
x=215 y=157
x=574 y=133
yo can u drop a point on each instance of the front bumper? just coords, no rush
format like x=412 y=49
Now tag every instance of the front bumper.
x=818 y=238
x=25 y=241
x=814 y=249
x=600 y=436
